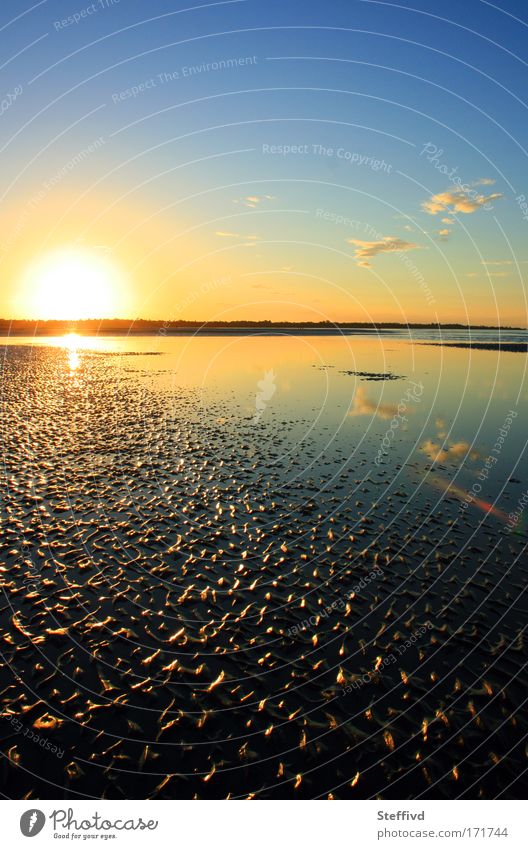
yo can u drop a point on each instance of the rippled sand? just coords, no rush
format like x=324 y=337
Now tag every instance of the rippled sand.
x=196 y=608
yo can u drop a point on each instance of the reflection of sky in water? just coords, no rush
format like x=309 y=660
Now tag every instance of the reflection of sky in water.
x=332 y=421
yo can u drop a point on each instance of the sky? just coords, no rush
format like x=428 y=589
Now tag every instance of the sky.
x=346 y=160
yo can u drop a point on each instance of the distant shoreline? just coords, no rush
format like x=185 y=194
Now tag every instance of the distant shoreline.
x=512 y=347
x=146 y=327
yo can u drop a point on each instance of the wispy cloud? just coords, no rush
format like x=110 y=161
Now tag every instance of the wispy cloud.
x=443 y=451
x=252 y=201
x=226 y=234
x=497 y=263
x=459 y=199
x=388 y=244
x=504 y=261
x=365 y=406
x=438 y=453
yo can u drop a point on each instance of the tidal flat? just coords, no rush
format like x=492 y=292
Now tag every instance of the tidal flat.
x=209 y=557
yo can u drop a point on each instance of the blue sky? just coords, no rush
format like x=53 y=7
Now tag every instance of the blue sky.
x=318 y=111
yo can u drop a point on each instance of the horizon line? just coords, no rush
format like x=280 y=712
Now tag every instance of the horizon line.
x=167 y=324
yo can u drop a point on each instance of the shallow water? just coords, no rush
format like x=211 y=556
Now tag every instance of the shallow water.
x=247 y=566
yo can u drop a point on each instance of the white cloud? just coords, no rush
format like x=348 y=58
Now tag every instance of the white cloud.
x=438 y=453
x=458 y=200
x=388 y=244
x=252 y=201
x=365 y=406
x=452 y=451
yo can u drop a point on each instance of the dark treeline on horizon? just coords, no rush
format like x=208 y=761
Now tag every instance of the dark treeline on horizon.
x=24 y=327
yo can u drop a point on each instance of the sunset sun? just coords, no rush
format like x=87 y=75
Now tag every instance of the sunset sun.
x=73 y=284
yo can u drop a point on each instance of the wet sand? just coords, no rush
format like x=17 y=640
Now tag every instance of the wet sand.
x=194 y=608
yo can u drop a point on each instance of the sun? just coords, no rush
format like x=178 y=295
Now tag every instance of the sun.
x=73 y=284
